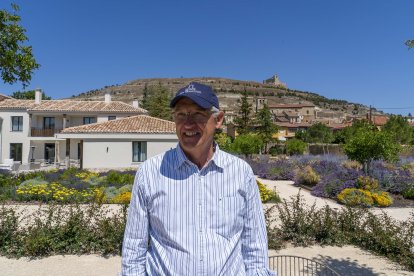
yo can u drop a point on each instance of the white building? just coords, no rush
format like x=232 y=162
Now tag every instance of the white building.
x=29 y=128
x=121 y=143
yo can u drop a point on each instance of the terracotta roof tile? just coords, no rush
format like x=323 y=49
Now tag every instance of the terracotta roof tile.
x=135 y=124
x=70 y=106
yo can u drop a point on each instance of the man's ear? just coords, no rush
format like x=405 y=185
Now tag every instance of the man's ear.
x=219 y=119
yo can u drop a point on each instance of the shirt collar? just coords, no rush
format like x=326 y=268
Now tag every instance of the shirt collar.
x=217 y=158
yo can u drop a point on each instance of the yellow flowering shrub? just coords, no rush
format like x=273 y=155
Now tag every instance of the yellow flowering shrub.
x=122 y=198
x=86 y=175
x=55 y=192
x=355 y=197
x=360 y=197
x=382 y=199
x=266 y=194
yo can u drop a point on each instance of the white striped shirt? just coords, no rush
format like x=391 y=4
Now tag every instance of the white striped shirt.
x=187 y=221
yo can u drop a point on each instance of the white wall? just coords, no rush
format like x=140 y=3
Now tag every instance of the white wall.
x=98 y=153
x=8 y=136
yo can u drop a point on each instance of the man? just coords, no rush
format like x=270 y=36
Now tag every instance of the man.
x=195 y=210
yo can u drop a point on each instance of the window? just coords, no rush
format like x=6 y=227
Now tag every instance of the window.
x=16 y=151
x=89 y=120
x=49 y=122
x=139 y=151
x=17 y=123
x=110 y=118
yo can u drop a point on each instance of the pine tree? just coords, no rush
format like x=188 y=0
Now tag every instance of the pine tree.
x=157 y=102
x=144 y=102
x=266 y=128
x=243 y=121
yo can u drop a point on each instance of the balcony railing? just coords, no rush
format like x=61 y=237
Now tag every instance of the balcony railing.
x=48 y=132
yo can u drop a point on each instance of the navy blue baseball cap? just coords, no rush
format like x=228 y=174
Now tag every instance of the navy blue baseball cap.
x=202 y=95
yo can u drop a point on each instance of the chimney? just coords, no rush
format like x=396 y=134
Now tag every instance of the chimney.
x=38 y=96
x=135 y=103
x=108 y=97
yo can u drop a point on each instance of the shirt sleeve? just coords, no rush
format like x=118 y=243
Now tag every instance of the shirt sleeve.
x=135 y=243
x=254 y=236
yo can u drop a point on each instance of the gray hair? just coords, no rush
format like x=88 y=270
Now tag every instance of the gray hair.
x=214 y=111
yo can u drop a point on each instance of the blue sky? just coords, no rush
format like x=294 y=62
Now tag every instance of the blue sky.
x=352 y=50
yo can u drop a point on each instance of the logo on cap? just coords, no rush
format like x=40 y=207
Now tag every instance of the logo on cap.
x=191 y=89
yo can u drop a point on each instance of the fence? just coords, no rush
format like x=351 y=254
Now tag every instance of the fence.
x=296 y=266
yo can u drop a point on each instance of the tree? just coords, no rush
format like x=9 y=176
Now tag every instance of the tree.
x=319 y=133
x=399 y=128
x=223 y=140
x=295 y=146
x=29 y=95
x=266 y=128
x=144 y=103
x=347 y=133
x=368 y=145
x=16 y=59
x=247 y=144
x=410 y=43
x=157 y=102
x=244 y=120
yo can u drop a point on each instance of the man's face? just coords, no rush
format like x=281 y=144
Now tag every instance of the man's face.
x=195 y=126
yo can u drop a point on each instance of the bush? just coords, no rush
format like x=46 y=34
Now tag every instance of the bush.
x=267 y=195
x=305 y=225
x=295 y=146
x=382 y=199
x=33 y=182
x=306 y=176
x=116 y=178
x=366 y=183
x=409 y=194
x=333 y=183
x=355 y=197
x=122 y=198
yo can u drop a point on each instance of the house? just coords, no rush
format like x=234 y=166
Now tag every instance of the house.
x=306 y=111
x=120 y=143
x=28 y=127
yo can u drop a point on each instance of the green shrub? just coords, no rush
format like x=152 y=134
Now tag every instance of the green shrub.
x=305 y=225
x=306 y=176
x=367 y=183
x=33 y=182
x=117 y=178
x=295 y=146
x=409 y=194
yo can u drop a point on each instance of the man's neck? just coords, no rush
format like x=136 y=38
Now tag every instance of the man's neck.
x=201 y=158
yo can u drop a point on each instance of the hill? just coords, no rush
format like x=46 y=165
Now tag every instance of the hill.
x=228 y=91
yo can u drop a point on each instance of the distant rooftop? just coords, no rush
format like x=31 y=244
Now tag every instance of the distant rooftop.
x=134 y=124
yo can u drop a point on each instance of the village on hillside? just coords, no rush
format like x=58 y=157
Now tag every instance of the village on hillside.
x=94 y=133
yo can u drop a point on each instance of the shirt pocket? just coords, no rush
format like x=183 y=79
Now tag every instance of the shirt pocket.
x=229 y=216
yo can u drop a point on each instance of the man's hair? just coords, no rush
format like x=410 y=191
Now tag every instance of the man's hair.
x=215 y=111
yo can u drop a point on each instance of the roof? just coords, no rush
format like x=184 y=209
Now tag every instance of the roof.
x=275 y=106
x=293 y=125
x=70 y=106
x=379 y=120
x=134 y=124
x=3 y=97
